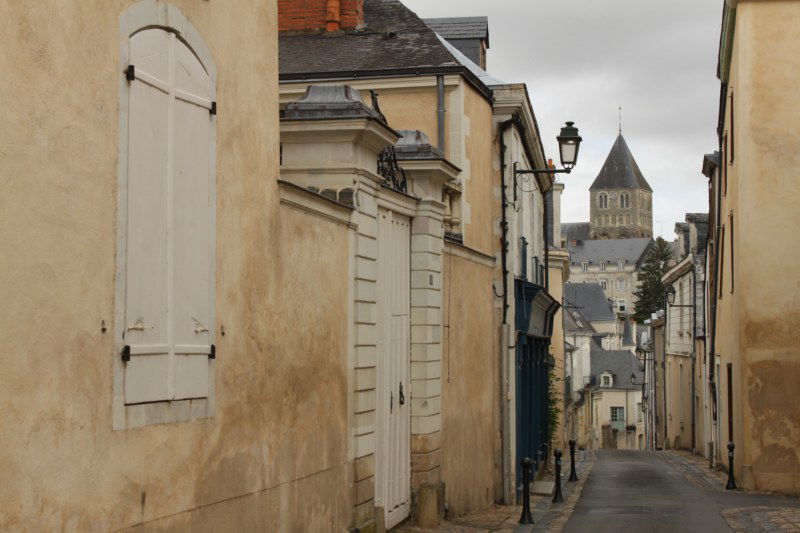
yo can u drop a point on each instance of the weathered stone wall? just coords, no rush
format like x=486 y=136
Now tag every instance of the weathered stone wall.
x=275 y=455
x=616 y=222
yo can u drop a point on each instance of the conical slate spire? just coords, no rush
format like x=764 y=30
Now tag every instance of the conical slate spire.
x=620 y=170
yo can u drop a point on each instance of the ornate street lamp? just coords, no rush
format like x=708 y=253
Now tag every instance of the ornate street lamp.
x=569 y=143
x=671 y=295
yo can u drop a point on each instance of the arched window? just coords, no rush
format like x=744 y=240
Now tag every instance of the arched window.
x=606 y=380
x=167 y=201
x=603 y=200
x=627 y=220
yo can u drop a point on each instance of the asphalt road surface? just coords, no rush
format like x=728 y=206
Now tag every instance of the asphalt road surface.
x=638 y=491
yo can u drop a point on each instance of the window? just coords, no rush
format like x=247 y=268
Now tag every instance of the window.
x=622 y=305
x=602 y=266
x=625 y=200
x=619 y=220
x=604 y=284
x=725 y=164
x=621 y=285
x=602 y=200
x=618 y=414
x=627 y=220
x=621 y=264
x=585 y=265
x=721 y=276
x=606 y=380
x=167 y=223
x=733 y=131
x=733 y=259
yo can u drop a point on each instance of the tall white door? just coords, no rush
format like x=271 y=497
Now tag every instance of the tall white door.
x=393 y=443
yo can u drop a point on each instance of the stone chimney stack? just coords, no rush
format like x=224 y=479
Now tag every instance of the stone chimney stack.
x=320 y=15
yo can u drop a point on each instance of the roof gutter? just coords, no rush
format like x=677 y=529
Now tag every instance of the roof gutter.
x=344 y=75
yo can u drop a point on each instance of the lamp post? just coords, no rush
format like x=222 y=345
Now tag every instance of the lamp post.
x=569 y=143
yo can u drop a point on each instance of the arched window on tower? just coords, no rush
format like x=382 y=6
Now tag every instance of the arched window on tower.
x=627 y=220
x=603 y=200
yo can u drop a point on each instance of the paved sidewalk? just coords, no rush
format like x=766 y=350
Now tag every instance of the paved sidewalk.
x=741 y=519
x=547 y=516
x=695 y=469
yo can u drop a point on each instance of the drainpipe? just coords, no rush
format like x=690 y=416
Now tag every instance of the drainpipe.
x=508 y=490
x=694 y=354
x=440 y=112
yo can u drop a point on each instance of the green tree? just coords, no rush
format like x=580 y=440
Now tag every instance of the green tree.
x=650 y=293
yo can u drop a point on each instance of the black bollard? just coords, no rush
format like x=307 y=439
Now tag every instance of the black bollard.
x=526 y=517
x=573 y=475
x=731 y=482
x=557 y=496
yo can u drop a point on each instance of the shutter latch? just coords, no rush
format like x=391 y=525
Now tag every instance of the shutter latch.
x=130 y=73
x=213 y=353
x=213 y=109
x=126 y=353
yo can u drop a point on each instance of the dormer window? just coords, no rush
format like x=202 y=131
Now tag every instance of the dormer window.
x=621 y=264
x=606 y=380
x=602 y=266
x=585 y=265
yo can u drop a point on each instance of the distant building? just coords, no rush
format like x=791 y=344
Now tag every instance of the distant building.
x=616 y=400
x=590 y=300
x=614 y=264
x=621 y=199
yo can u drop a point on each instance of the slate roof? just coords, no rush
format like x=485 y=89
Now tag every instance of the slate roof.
x=394 y=38
x=575 y=321
x=575 y=231
x=627 y=333
x=609 y=250
x=621 y=364
x=461 y=27
x=462 y=59
x=591 y=300
x=620 y=170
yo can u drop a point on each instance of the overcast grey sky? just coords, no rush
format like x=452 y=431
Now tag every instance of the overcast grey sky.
x=581 y=59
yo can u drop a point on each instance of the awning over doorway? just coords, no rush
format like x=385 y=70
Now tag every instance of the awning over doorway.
x=535 y=309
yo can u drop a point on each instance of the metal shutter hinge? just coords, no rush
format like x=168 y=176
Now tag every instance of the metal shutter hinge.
x=126 y=353
x=213 y=354
x=130 y=73
x=213 y=109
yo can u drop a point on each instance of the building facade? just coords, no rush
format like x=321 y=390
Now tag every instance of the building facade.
x=754 y=355
x=614 y=264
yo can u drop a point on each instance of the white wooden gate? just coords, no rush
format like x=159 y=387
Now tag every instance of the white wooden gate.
x=393 y=443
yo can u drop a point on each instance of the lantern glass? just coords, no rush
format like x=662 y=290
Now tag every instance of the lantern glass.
x=671 y=295
x=569 y=142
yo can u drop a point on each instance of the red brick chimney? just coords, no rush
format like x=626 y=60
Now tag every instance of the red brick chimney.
x=320 y=15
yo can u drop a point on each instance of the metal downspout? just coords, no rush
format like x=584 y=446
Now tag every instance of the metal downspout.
x=507 y=482
x=440 y=112
x=694 y=357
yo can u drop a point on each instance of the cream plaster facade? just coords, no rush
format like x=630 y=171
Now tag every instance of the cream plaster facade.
x=272 y=456
x=754 y=210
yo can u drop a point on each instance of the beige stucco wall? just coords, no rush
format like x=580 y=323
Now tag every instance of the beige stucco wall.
x=756 y=335
x=559 y=270
x=411 y=109
x=469 y=381
x=478 y=189
x=276 y=451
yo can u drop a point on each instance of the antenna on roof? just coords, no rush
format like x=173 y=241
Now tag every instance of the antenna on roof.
x=620 y=120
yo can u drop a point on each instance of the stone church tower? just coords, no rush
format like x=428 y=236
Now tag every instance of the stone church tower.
x=621 y=199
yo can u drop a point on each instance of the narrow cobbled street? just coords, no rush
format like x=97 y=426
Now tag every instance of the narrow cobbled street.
x=667 y=491
x=639 y=492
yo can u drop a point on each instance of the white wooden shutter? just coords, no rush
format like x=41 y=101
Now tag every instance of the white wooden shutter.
x=192 y=223
x=169 y=283
x=146 y=296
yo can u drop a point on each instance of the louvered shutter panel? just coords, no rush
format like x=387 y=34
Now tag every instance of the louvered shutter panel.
x=146 y=292
x=194 y=199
